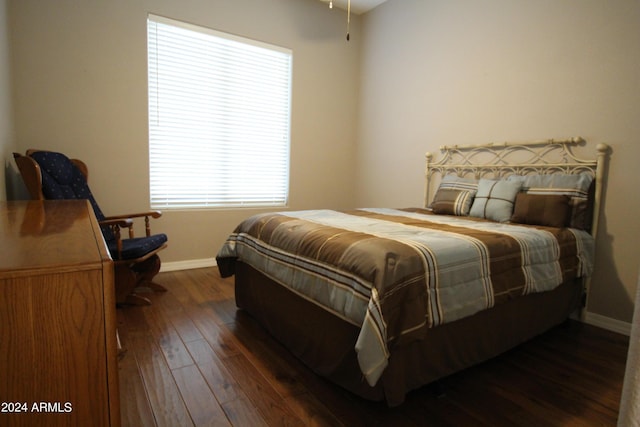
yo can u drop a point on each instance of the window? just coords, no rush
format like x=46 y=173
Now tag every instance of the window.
x=219 y=112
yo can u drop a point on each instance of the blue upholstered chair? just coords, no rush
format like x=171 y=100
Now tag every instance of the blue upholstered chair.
x=53 y=176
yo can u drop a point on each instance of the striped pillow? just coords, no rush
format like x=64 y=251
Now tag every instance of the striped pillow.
x=453 y=202
x=454 y=182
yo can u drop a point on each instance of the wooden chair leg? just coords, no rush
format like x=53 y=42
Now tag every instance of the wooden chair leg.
x=147 y=270
x=156 y=287
x=129 y=277
x=126 y=281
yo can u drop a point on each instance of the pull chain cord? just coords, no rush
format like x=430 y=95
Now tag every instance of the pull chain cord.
x=348 y=17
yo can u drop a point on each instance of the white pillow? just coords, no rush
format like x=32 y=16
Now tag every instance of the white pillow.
x=495 y=199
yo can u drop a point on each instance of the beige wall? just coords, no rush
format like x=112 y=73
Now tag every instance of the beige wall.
x=80 y=82
x=7 y=145
x=444 y=72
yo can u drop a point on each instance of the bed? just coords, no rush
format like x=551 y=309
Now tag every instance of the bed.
x=382 y=301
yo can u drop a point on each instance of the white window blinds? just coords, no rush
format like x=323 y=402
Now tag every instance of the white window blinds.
x=219 y=113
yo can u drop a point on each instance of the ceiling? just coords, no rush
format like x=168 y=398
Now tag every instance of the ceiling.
x=357 y=6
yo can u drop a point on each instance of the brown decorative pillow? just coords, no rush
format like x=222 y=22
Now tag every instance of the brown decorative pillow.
x=581 y=214
x=452 y=202
x=551 y=210
x=579 y=187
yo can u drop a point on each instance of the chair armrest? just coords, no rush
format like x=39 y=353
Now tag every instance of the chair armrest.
x=146 y=215
x=117 y=222
x=152 y=214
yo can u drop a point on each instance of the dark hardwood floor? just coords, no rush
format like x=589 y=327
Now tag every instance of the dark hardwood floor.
x=192 y=359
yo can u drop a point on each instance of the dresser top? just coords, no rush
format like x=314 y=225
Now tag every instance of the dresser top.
x=49 y=235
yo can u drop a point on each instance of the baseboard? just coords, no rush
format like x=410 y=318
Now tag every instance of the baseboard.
x=608 y=323
x=188 y=265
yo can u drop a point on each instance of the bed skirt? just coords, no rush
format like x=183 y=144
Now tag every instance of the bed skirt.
x=325 y=343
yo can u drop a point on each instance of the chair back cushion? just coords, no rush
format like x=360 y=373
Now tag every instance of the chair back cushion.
x=62 y=180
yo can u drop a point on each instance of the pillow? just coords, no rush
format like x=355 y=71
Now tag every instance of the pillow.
x=551 y=210
x=494 y=199
x=454 y=182
x=452 y=202
x=582 y=212
x=557 y=183
x=578 y=187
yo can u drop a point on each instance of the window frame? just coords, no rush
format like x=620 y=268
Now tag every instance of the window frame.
x=280 y=138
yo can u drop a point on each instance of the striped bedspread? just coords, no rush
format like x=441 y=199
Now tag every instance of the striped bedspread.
x=395 y=273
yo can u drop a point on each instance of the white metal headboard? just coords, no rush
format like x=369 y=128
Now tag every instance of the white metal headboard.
x=499 y=160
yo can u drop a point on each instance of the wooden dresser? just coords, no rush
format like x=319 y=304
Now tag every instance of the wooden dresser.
x=58 y=350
